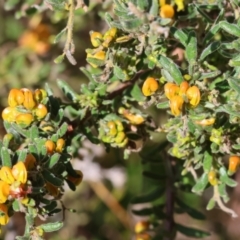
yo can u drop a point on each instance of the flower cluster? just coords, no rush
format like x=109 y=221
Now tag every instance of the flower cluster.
x=55 y=147
x=113 y=133
x=180 y=94
x=12 y=186
x=101 y=43
x=25 y=106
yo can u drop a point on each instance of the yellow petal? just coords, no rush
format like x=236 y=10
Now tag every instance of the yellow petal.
x=19 y=172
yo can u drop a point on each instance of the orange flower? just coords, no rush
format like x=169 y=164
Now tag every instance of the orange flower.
x=183 y=87
x=176 y=104
x=171 y=89
x=6 y=175
x=193 y=95
x=19 y=172
x=167 y=11
x=24 y=119
x=150 y=86
x=29 y=103
x=50 y=145
x=4 y=191
x=4 y=219
x=233 y=165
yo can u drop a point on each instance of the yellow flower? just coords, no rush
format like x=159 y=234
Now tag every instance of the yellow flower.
x=176 y=104
x=6 y=175
x=212 y=178
x=206 y=122
x=150 y=86
x=60 y=145
x=171 y=89
x=4 y=191
x=180 y=5
x=19 y=172
x=15 y=97
x=29 y=102
x=193 y=95
x=96 y=38
x=4 y=219
x=167 y=11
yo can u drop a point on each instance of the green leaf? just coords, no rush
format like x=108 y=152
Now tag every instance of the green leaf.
x=59 y=35
x=191 y=211
x=209 y=50
x=210 y=74
x=50 y=177
x=33 y=132
x=154 y=10
x=16 y=205
x=143 y=4
x=179 y=35
x=119 y=73
x=53 y=160
x=191 y=49
x=163 y=105
x=191 y=232
x=153 y=176
x=62 y=130
x=234 y=84
x=5 y=157
x=22 y=154
x=59 y=59
x=225 y=179
x=211 y=204
x=51 y=227
x=132 y=24
x=201 y=184
x=210 y=34
x=230 y=28
x=149 y=197
x=207 y=161
x=67 y=90
x=136 y=93
x=171 y=68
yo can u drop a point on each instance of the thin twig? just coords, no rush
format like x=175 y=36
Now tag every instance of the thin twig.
x=103 y=193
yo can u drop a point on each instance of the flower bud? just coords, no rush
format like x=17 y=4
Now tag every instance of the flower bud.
x=183 y=88
x=19 y=172
x=167 y=11
x=96 y=38
x=39 y=95
x=40 y=111
x=110 y=32
x=171 y=89
x=176 y=104
x=193 y=95
x=50 y=145
x=150 y=86
x=29 y=103
x=60 y=145
x=233 y=165
x=141 y=226
x=4 y=191
x=112 y=128
x=120 y=137
x=15 y=97
x=6 y=175
x=76 y=180
x=206 y=122
x=30 y=161
x=212 y=178
x=24 y=119
x=4 y=219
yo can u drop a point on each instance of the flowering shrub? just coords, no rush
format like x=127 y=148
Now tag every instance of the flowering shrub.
x=179 y=56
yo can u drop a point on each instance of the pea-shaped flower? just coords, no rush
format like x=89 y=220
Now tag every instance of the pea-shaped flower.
x=19 y=172
x=183 y=88
x=176 y=105
x=150 y=86
x=167 y=11
x=60 y=145
x=233 y=164
x=29 y=102
x=193 y=95
x=6 y=175
x=96 y=38
x=15 y=97
x=171 y=89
